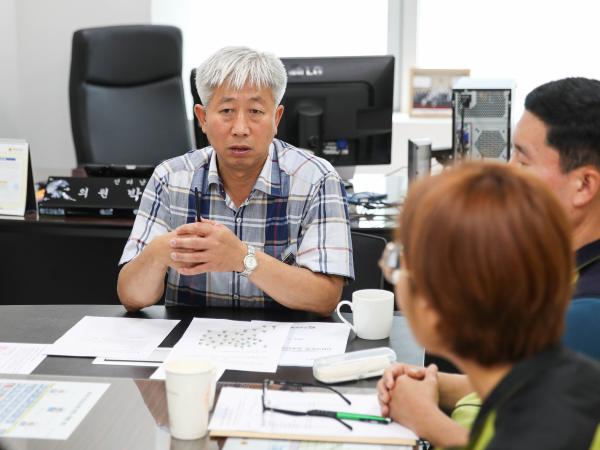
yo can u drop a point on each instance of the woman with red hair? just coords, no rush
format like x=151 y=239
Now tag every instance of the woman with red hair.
x=485 y=279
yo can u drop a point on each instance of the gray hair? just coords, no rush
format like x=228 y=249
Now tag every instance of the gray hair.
x=238 y=65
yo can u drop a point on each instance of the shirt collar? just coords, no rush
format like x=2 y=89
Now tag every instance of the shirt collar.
x=213 y=171
x=588 y=253
x=269 y=180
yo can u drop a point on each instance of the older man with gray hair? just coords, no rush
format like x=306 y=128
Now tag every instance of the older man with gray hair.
x=249 y=221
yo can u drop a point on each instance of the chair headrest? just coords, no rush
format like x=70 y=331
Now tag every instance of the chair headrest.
x=127 y=54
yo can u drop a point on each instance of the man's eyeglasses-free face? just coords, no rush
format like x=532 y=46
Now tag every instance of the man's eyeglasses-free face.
x=336 y=415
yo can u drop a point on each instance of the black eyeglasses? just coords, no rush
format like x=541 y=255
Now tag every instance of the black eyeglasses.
x=389 y=262
x=338 y=416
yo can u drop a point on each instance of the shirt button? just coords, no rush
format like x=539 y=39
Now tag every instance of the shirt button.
x=238 y=220
x=236 y=297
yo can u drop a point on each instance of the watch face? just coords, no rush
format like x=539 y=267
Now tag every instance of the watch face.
x=250 y=262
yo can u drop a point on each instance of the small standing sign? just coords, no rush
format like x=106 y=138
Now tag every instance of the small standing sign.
x=17 y=193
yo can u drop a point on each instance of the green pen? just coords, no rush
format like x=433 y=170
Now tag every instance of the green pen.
x=349 y=416
x=363 y=417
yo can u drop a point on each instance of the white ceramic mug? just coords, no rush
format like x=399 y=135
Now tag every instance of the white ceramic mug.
x=190 y=384
x=372 y=312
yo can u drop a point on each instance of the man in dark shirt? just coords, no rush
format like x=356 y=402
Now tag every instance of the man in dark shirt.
x=587 y=259
x=558 y=139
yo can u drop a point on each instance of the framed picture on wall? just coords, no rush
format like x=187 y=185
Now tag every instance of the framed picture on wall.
x=431 y=91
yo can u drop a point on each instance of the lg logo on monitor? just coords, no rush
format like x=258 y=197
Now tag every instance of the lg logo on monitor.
x=305 y=71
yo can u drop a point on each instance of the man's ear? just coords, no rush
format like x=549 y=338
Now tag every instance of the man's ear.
x=587 y=185
x=200 y=113
x=278 y=114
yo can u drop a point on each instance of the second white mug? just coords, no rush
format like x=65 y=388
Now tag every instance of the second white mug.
x=372 y=312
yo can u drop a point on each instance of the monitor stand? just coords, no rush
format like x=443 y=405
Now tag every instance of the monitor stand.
x=347 y=173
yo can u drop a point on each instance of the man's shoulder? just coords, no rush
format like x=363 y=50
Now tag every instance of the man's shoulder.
x=188 y=162
x=303 y=165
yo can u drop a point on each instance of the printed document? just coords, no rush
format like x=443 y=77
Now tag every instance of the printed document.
x=21 y=358
x=113 y=337
x=156 y=358
x=308 y=341
x=239 y=413
x=271 y=444
x=160 y=374
x=38 y=409
x=234 y=345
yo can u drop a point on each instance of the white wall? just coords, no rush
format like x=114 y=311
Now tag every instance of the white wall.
x=34 y=96
x=530 y=42
x=35 y=55
x=9 y=79
x=403 y=129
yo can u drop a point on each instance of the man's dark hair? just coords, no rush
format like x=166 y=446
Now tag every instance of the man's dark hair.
x=570 y=108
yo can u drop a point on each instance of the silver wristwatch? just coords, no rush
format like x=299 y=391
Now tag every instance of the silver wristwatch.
x=250 y=262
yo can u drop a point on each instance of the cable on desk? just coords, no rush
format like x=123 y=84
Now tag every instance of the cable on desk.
x=371 y=200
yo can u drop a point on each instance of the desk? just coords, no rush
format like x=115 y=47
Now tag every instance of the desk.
x=132 y=413
x=73 y=260
x=61 y=260
x=378 y=224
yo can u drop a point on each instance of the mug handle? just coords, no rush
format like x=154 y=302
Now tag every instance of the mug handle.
x=337 y=311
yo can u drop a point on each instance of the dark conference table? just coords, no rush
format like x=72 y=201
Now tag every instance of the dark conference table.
x=46 y=323
x=132 y=413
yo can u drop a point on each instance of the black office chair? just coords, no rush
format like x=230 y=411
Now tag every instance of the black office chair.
x=367 y=250
x=126 y=95
x=199 y=136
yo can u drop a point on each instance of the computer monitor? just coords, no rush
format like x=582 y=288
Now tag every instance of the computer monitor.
x=340 y=108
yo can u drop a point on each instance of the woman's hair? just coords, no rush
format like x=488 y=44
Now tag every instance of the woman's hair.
x=238 y=66
x=489 y=247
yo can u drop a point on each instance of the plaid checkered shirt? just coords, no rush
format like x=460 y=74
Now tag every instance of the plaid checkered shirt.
x=297 y=212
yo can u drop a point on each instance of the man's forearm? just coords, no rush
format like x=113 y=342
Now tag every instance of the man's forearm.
x=296 y=287
x=141 y=281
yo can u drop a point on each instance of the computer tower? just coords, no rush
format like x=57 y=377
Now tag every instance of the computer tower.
x=481 y=119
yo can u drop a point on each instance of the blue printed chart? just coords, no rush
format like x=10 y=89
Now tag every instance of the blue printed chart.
x=37 y=409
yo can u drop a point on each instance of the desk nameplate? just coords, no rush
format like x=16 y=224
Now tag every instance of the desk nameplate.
x=95 y=196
